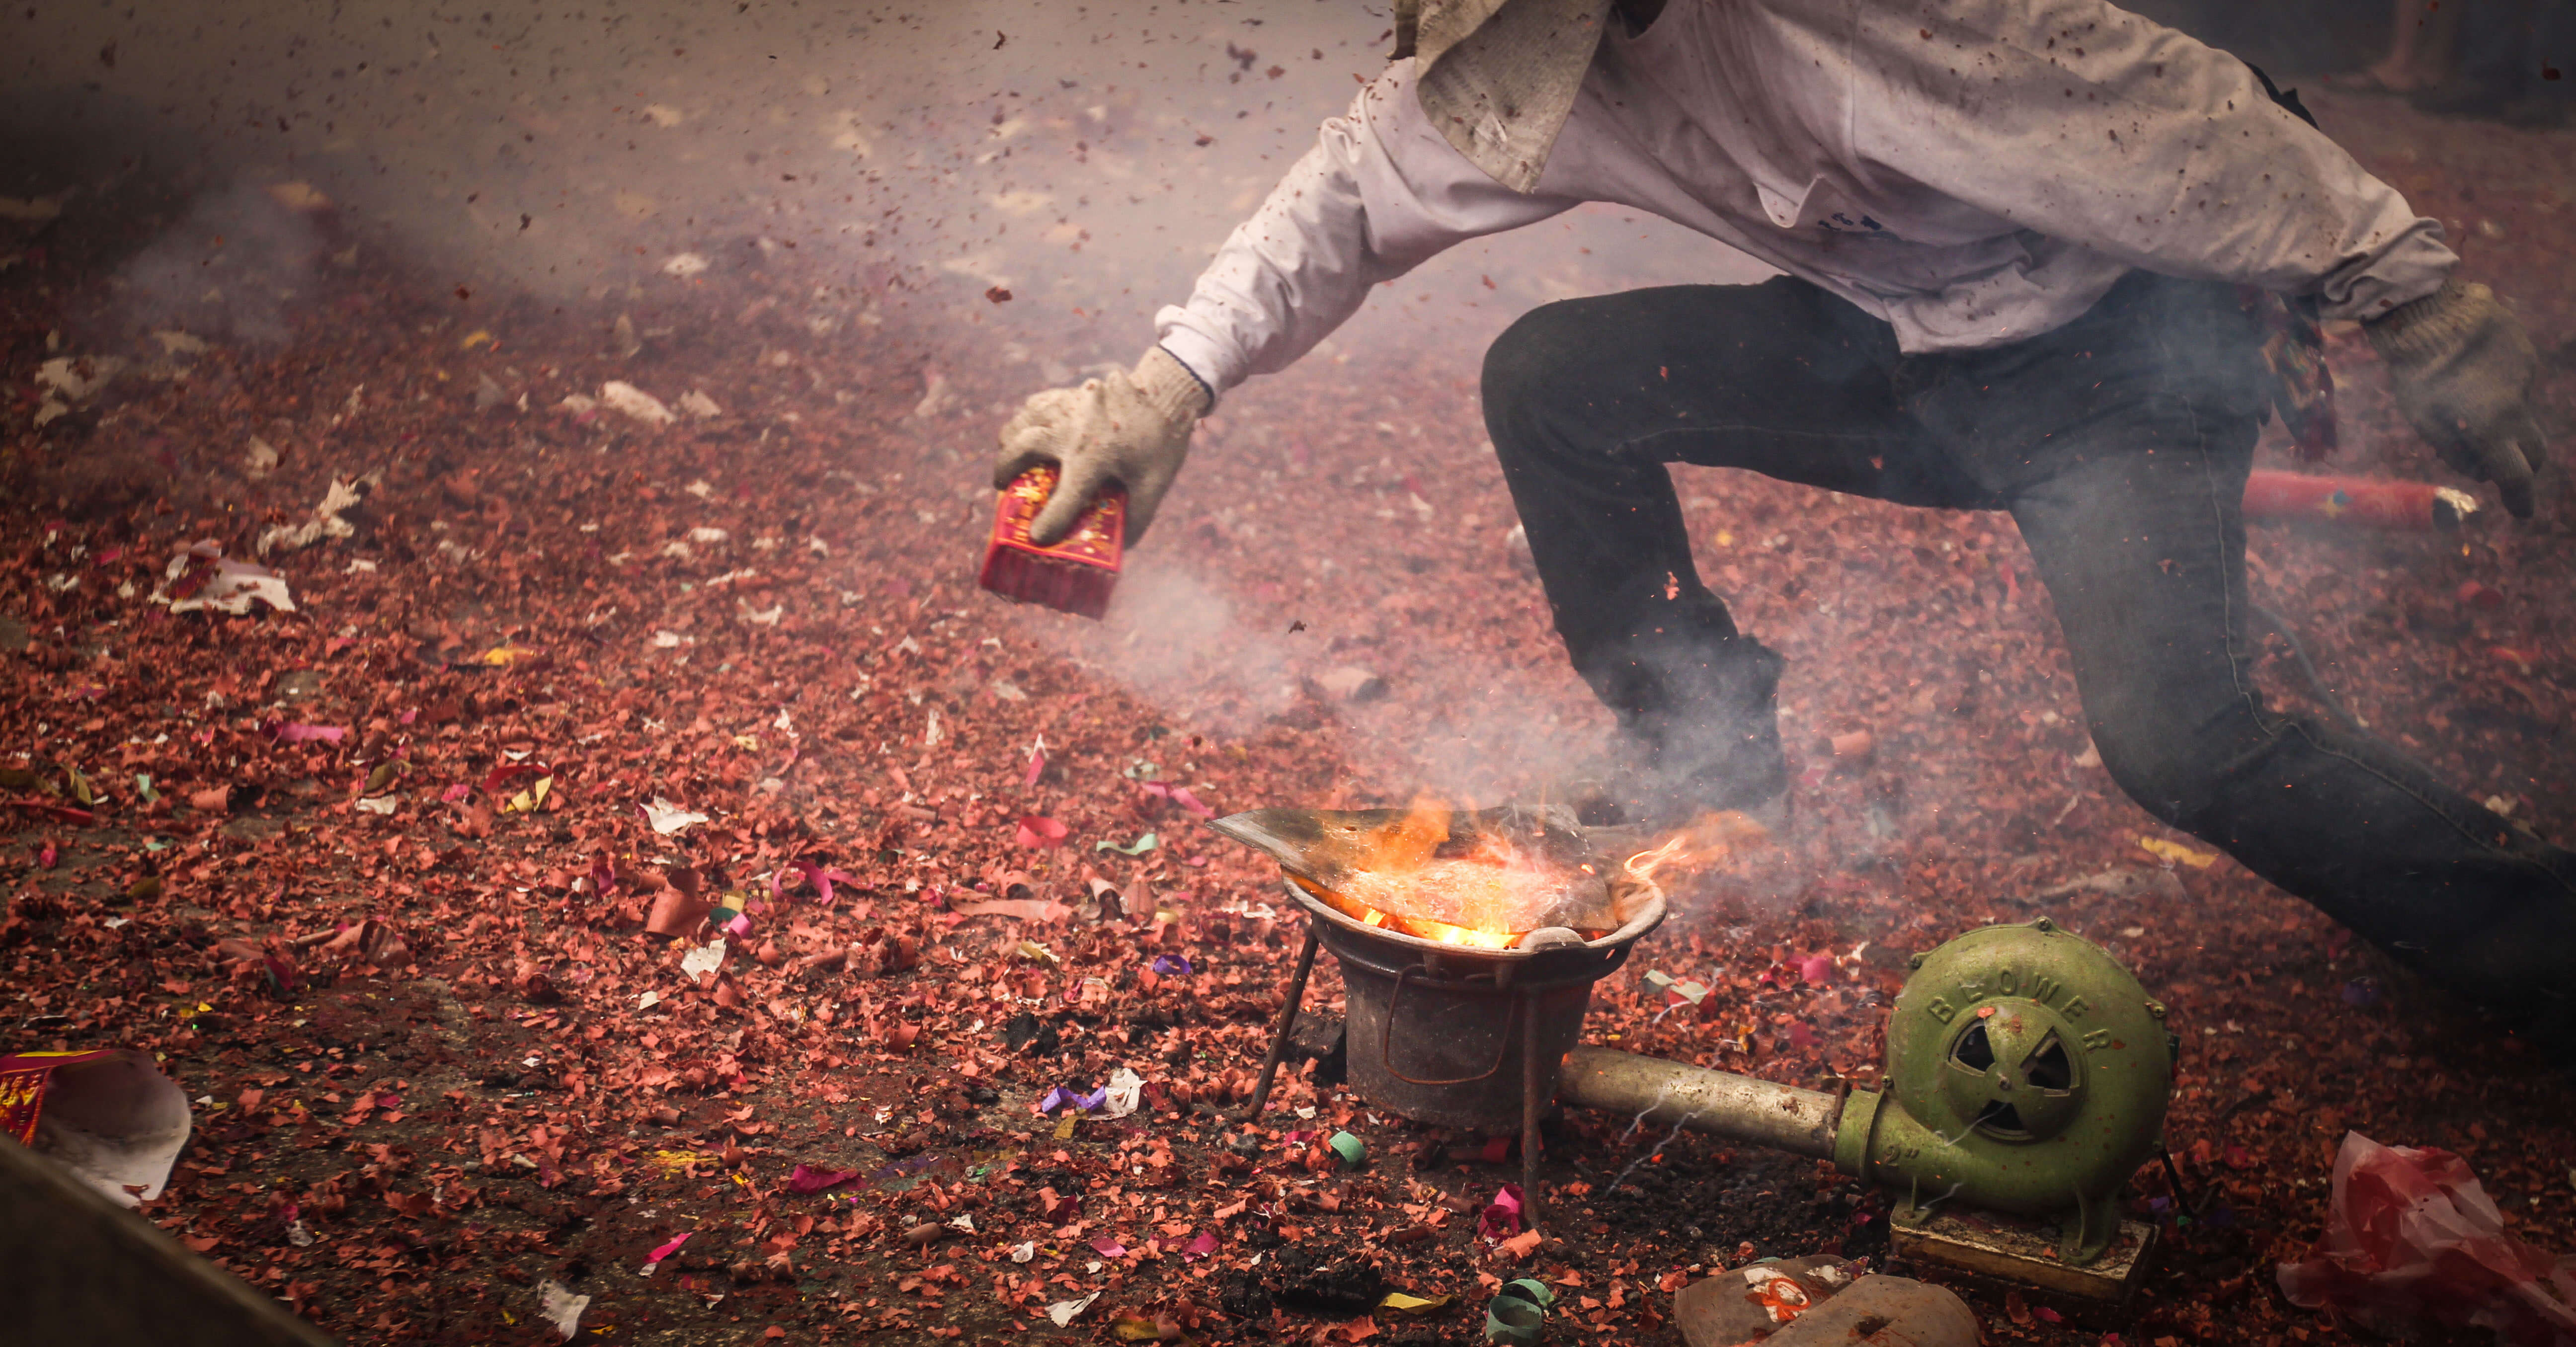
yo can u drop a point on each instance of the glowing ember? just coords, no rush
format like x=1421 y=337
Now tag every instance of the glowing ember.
x=1485 y=878
x=1461 y=902
x=1416 y=875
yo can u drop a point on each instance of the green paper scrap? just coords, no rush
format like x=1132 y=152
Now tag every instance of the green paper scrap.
x=1353 y=1151
x=1137 y=848
x=143 y=788
x=1530 y=1289
x=1515 y=1322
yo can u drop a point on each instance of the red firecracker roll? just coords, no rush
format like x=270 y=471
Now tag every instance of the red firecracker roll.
x=1075 y=575
x=2376 y=502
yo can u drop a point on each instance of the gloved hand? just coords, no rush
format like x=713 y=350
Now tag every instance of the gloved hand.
x=2463 y=369
x=1132 y=428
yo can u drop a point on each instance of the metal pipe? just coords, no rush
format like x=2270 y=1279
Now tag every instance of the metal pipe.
x=1287 y=1023
x=1655 y=1091
x=1532 y=1101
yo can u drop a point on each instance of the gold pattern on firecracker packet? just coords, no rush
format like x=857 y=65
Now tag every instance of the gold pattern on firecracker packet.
x=1091 y=539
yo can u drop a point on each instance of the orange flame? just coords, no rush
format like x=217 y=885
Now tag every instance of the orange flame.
x=1490 y=895
x=1704 y=841
x=1487 y=896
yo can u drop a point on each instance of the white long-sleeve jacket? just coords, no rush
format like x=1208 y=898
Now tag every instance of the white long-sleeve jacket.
x=1975 y=172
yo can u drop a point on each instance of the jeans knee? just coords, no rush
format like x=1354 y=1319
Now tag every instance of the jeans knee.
x=2173 y=771
x=1529 y=365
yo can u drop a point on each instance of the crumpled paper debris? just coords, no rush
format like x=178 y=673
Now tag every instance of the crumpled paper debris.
x=108 y=1115
x=672 y=1246
x=1061 y=1097
x=561 y=1307
x=201 y=578
x=668 y=818
x=1126 y=1090
x=324 y=523
x=706 y=958
x=2410 y=1236
x=636 y=404
x=1501 y=1217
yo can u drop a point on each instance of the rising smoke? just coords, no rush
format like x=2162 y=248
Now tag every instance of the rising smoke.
x=1087 y=159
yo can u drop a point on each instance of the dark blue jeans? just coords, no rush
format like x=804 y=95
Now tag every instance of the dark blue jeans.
x=2120 y=444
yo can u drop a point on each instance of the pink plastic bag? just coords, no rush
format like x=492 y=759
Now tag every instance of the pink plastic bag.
x=2410 y=1236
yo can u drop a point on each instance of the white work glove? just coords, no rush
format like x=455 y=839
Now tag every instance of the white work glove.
x=1131 y=428
x=2463 y=371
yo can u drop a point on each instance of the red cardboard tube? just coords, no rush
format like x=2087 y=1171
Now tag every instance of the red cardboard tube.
x=2369 y=501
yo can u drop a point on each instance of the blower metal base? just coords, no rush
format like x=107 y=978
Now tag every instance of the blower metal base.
x=2023 y=1254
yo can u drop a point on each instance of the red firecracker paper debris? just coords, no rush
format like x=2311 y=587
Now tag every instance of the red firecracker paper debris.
x=1037 y=831
x=2411 y=1238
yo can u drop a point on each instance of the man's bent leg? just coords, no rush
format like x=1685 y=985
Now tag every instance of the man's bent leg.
x=1587 y=401
x=2143 y=553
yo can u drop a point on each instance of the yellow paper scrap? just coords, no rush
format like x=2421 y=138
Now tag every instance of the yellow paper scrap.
x=2175 y=853
x=1413 y=1306
x=503 y=656
x=530 y=800
x=477 y=337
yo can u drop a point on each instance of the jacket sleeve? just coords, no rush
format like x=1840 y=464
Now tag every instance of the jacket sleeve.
x=1380 y=193
x=2084 y=123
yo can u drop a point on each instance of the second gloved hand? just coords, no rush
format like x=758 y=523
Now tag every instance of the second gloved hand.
x=1132 y=428
x=2463 y=369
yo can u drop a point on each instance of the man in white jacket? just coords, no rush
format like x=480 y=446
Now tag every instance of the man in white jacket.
x=2018 y=236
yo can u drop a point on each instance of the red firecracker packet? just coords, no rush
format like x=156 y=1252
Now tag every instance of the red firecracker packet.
x=108 y=1114
x=1075 y=575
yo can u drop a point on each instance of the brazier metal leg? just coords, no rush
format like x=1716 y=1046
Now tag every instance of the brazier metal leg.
x=1531 y=1102
x=1287 y=1023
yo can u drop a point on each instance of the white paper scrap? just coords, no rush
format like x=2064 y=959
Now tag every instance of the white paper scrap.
x=1126 y=1091
x=706 y=958
x=561 y=1307
x=668 y=818
x=1062 y=1311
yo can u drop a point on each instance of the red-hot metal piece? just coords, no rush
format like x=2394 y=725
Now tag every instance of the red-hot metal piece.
x=2371 y=501
x=1075 y=575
